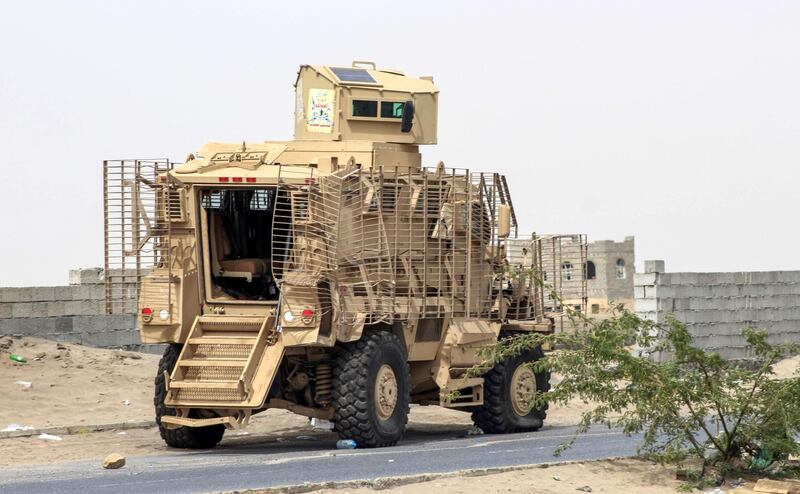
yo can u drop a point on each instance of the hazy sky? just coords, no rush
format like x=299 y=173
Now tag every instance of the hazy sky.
x=676 y=122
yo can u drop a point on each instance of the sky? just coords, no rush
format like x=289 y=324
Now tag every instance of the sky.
x=677 y=122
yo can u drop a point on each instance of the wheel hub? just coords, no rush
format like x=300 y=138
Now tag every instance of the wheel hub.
x=523 y=390
x=385 y=392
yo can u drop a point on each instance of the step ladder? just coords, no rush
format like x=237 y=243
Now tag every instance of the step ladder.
x=227 y=362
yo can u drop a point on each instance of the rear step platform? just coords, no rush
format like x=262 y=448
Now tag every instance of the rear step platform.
x=227 y=362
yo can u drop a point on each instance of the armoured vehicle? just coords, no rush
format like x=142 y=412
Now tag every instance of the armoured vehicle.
x=332 y=275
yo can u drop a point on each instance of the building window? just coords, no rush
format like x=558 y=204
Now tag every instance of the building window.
x=620 y=269
x=595 y=308
x=567 y=269
x=591 y=271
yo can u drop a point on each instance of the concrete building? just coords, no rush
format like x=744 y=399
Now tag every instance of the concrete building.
x=609 y=274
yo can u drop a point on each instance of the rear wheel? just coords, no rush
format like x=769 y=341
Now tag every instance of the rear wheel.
x=182 y=437
x=371 y=390
x=509 y=389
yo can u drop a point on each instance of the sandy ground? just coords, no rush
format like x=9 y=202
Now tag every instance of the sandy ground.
x=613 y=476
x=74 y=385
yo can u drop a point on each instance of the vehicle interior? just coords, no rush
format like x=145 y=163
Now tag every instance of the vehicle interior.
x=239 y=229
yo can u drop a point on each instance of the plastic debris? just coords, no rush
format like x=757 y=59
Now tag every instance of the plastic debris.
x=17 y=427
x=126 y=402
x=123 y=433
x=346 y=444
x=321 y=424
x=17 y=358
x=308 y=438
x=49 y=437
x=584 y=488
x=475 y=431
x=556 y=477
x=24 y=384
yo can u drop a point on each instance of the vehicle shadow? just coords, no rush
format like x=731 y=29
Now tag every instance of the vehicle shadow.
x=305 y=440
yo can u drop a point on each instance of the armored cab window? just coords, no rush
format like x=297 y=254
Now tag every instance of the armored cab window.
x=362 y=108
x=391 y=109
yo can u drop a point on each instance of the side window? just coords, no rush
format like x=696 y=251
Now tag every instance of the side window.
x=620 y=269
x=362 y=108
x=391 y=109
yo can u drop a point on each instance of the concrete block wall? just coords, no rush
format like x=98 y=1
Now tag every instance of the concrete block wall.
x=69 y=314
x=716 y=306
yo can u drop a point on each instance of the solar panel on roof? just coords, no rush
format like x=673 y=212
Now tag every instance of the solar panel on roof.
x=353 y=75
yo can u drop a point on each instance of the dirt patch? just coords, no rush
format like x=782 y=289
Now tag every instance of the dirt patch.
x=73 y=384
x=627 y=476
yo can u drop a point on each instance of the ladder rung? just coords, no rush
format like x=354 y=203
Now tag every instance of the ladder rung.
x=222 y=340
x=204 y=384
x=214 y=362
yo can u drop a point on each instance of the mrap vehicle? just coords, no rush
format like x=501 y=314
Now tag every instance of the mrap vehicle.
x=332 y=275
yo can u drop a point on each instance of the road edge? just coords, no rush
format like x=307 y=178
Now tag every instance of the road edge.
x=78 y=429
x=381 y=483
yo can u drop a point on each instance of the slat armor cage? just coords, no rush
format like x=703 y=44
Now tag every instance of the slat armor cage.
x=139 y=212
x=389 y=243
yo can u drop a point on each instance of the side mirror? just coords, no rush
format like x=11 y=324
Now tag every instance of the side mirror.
x=408 y=116
x=503 y=221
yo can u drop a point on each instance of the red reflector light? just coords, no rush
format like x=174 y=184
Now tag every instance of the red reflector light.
x=308 y=313
x=147 y=311
x=251 y=180
x=311 y=181
x=237 y=179
x=163 y=178
x=223 y=179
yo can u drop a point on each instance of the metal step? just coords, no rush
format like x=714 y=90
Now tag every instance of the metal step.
x=227 y=362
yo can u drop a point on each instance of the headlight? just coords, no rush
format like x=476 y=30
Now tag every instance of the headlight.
x=288 y=316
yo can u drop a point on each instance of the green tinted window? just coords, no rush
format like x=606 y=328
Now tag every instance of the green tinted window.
x=391 y=109
x=365 y=108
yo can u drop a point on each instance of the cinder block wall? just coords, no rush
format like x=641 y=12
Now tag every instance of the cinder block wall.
x=70 y=314
x=716 y=306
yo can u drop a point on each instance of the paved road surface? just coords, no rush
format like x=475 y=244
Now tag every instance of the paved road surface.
x=276 y=464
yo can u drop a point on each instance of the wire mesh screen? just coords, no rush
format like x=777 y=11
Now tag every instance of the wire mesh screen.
x=304 y=238
x=558 y=262
x=395 y=242
x=138 y=212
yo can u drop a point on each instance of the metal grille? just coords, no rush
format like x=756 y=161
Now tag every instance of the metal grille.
x=205 y=395
x=554 y=271
x=135 y=233
x=215 y=373
x=212 y=351
x=394 y=242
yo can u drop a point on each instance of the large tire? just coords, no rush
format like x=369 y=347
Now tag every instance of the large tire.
x=372 y=390
x=182 y=437
x=501 y=413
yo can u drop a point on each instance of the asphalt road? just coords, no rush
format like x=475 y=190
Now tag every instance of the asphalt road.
x=279 y=464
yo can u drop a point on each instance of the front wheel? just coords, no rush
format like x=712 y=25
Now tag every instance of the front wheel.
x=182 y=437
x=509 y=388
x=372 y=390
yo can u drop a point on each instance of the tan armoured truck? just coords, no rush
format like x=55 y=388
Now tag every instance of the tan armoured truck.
x=331 y=275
